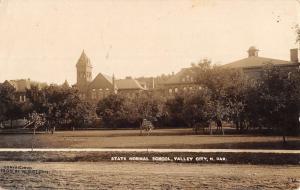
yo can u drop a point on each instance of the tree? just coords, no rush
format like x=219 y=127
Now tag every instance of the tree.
x=146 y=105
x=62 y=106
x=174 y=109
x=276 y=100
x=124 y=111
x=227 y=90
x=10 y=108
x=111 y=109
x=198 y=109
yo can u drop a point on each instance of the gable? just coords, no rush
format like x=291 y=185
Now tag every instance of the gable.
x=101 y=82
x=128 y=84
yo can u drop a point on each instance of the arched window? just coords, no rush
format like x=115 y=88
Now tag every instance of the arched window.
x=170 y=90
x=176 y=90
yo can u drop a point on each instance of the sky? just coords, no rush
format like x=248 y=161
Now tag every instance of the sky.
x=42 y=40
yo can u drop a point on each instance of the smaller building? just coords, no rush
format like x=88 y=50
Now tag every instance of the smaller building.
x=21 y=85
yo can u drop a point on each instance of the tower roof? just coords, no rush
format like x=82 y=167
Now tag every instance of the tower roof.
x=83 y=60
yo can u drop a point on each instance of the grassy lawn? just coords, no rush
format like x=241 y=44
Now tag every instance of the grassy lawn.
x=160 y=138
x=108 y=175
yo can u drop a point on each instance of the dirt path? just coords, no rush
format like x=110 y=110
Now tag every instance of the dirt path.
x=134 y=175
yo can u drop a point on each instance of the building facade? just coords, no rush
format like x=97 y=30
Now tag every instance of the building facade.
x=21 y=85
x=102 y=85
x=253 y=65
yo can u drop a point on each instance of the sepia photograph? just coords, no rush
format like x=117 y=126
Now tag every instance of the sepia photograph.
x=150 y=94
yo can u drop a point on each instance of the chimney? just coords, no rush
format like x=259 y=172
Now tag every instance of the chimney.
x=153 y=84
x=294 y=55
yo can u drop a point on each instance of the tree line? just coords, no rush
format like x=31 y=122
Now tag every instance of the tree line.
x=61 y=107
x=270 y=101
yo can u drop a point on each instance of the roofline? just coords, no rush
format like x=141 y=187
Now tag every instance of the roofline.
x=271 y=59
x=180 y=83
x=276 y=65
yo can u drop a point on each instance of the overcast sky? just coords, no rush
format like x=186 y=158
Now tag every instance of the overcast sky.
x=43 y=40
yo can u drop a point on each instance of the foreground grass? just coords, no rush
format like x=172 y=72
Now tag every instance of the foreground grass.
x=161 y=138
x=108 y=175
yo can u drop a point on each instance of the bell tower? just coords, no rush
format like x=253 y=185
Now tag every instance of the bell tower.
x=84 y=72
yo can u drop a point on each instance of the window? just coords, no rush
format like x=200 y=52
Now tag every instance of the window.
x=184 y=88
x=176 y=90
x=170 y=90
x=191 y=88
x=93 y=95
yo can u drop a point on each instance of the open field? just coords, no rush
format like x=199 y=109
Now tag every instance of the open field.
x=107 y=175
x=160 y=138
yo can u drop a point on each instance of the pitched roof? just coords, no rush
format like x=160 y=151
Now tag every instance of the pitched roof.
x=101 y=81
x=83 y=60
x=177 y=78
x=20 y=85
x=128 y=84
x=109 y=78
x=254 y=61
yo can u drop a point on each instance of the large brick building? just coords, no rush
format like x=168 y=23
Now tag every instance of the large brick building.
x=102 y=85
x=253 y=64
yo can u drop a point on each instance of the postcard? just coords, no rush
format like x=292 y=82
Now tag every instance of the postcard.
x=163 y=94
